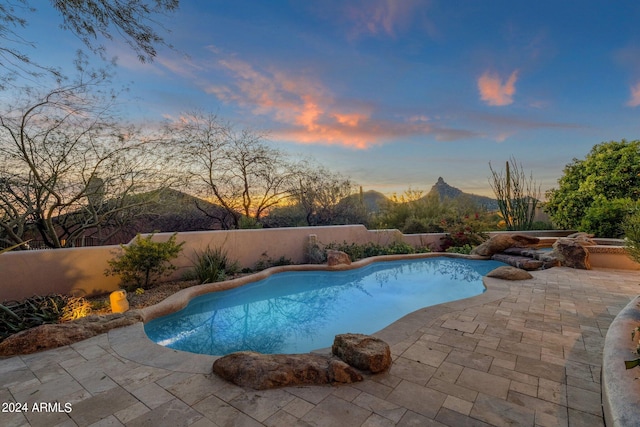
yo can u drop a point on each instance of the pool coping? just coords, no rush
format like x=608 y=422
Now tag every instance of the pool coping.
x=133 y=344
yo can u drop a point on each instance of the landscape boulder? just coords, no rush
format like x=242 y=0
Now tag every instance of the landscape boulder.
x=572 y=253
x=53 y=335
x=521 y=262
x=509 y=273
x=337 y=257
x=584 y=239
x=266 y=371
x=501 y=242
x=363 y=352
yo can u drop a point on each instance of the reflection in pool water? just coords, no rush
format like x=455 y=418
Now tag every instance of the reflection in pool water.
x=297 y=312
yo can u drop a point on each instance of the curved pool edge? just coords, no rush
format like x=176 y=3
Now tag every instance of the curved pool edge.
x=133 y=344
x=180 y=299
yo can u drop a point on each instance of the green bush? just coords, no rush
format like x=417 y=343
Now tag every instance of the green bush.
x=212 y=265
x=604 y=217
x=144 y=262
x=610 y=169
x=356 y=251
x=467 y=231
x=542 y=225
x=631 y=227
x=466 y=249
x=266 y=261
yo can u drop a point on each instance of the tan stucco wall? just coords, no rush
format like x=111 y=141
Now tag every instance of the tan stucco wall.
x=66 y=271
x=81 y=270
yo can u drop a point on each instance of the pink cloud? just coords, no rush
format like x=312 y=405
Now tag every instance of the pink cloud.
x=635 y=96
x=308 y=113
x=494 y=92
x=304 y=105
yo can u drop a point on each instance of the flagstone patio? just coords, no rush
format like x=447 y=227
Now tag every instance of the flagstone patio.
x=523 y=353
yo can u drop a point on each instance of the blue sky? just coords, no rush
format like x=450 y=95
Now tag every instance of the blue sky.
x=395 y=94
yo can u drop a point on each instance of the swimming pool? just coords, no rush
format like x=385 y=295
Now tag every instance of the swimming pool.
x=297 y=312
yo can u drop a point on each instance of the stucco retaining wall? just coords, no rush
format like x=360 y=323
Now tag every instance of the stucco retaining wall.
x=81 y=270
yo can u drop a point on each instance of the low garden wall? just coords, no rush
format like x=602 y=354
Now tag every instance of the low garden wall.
x=81 y=270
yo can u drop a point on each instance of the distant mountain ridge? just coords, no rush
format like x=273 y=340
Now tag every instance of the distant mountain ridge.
x=445 y=191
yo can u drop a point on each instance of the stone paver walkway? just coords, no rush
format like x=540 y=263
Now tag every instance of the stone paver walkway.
x=521 y=354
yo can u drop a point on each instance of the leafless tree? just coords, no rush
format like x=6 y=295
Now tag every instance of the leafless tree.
x=136 y=22
x=69 y=168
x=327 y=197
x=237 y=169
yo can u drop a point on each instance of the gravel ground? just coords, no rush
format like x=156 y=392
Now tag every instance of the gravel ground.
x=136 y=301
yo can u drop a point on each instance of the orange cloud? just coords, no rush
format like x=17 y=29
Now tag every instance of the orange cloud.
x=299 y=102
x=309 y=114
x=351 y=120
x=494 y=92
x=635 y=96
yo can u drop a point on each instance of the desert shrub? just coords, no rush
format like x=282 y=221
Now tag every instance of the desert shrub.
x=542 y=225
x=16 y=316
x=469 y=230
x=212 y=265
x=266 y=261
x=144 y=262
x=415 y=225
x=357 y=251
x=466 y=249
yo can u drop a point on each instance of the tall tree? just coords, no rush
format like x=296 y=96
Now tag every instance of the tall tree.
x=327 y=197
x=592 y=193
x=68 y=167
x=237 y=169
x=92 y=21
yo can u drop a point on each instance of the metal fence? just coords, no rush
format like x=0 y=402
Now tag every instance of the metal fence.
x=39 y=244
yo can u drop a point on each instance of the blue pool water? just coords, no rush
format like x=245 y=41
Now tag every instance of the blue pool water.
x=297 y=312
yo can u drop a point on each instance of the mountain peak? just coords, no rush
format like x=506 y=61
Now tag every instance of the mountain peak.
x=446 y=191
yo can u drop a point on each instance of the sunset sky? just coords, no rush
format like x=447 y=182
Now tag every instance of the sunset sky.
x=395 y=94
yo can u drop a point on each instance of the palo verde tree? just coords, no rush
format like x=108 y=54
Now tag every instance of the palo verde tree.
x=92 y=21
x=517 y=194
x=68 y=166
x=235 y=168
x=597 y=193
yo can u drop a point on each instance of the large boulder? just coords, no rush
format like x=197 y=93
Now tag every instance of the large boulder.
x=521 y=262
x=501 y=242
x=509 y=273
x=364 y=352
x=337 y=257
x=572 y=253
x=266 y=371
x=48 y=336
